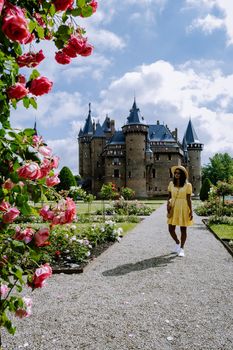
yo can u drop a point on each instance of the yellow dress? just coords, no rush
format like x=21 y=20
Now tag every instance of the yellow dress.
x=179 y=203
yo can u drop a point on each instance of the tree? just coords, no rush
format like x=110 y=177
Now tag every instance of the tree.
x=205 y=188
x=67 y=179
x=26 y=162
x=224 y=189
x=220 y=168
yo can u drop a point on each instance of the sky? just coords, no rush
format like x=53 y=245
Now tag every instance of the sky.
x=174 y=56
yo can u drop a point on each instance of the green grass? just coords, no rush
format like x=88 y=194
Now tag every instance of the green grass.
x=126 y=226
x=223 y=231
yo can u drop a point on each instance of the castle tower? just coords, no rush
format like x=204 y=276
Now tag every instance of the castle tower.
x=135 y=147
x=192 y=157
x=84 y=140
x=97 y=146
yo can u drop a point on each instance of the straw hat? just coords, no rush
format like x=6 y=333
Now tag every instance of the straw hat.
x=173 y=169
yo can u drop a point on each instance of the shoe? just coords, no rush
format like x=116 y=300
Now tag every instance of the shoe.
x=181 y=252
x=176 y=249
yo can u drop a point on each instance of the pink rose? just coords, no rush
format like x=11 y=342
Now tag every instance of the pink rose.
x=17 y=91
x=3 y=290
x=26 y=235
x=41 y=237
x=27 y=310
x=45 y=151
x=29 y=171
x=70 y=212
x=37 y=140
x=40 y=86
x=11 y=214
x=62 y=58
x=1 y=5
x=77 y=43
x=4 y=206
x=40 y=275
x=46 y=214
x=8 y=184
x=94 y=5
x=62 y=5
x=14 y=24
x=87 y=50
x=30 y=59
x=54 y=162
x=52 y=181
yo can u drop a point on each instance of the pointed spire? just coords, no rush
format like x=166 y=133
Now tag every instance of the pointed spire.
x=190 y=135
x=99 y=131
x=80 y=132
x=133 y=117
x=35 y=127
x=88 y=127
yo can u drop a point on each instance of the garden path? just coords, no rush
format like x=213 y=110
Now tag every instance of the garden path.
x=137 y=295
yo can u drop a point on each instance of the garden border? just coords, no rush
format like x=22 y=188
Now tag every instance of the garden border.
x=205 y=221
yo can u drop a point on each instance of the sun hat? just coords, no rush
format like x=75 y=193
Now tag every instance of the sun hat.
x=173 y=169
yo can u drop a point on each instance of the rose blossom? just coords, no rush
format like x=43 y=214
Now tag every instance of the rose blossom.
x=25 y=235
x=29 y=171
x=11 y=214
x=41 y=237
x=40 y=86
x=21 y=79
x=45 y=151
x=62 y=58
x=17 y=91
x=94 y=5
x=30 y=59
x=4 y=206
x=52 y=181
x=14 y=24
x=3 y=290
x=27 y=311
x=8 y=184
x=40 y=275
x=87 y=50
x=1 y=5
x=62 y=5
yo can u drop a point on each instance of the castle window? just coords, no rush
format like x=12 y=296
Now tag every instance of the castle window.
x=144 y=174
x=157 y=156
x=129 y=174
x=153 y=173
x=169 y=157
x=193 y=177
x=116 y=173
x=156 y=188
x=116 y=161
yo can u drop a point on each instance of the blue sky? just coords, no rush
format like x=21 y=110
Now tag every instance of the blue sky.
x=175 y=56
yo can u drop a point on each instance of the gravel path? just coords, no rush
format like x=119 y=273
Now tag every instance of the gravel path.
x=137 y=295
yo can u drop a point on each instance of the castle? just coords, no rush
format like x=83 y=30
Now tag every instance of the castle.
x=139 y=156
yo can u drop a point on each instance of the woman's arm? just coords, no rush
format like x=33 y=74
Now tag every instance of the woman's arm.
x=188 y=196
x=168 y=201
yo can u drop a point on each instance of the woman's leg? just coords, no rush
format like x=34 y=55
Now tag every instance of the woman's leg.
x=183 y=230
x=171 y=229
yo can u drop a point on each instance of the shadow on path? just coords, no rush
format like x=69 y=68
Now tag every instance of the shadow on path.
x=158 y=261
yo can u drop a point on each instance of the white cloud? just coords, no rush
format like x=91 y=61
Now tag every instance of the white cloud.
x=207 y=24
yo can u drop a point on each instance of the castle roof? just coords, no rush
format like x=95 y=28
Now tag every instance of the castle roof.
x=106 y=124
x=117 y=138
x=190 y=135
x=80 y=132
x=159 y=132
x=134 y=116
x=99 y=131
x=88 y=127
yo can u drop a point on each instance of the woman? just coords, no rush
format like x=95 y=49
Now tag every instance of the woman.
x=179 y=206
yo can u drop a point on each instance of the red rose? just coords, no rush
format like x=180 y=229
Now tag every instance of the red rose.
x=14 y=24
x=30 y=59
x=17 y=91
x=94 y=5
x=62 y=5
x=77 y=43
x=1 y=5
x=62 y=58
x=40 y=275
x=87 y=50
x=40 y=86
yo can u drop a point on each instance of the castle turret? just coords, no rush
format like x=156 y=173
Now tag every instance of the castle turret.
x=84 y=140
x=135 y=140
x=98 y=142
x=192 y=152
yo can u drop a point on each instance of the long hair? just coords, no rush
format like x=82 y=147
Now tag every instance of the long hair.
x=182 y=178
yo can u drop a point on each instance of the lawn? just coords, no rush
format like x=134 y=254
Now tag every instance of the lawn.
x=223 y=231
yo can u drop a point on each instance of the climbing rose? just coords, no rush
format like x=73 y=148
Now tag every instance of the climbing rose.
x=25 y=235
x=14 y=24
x=87 y=50
x=3 y=290
x=52 y=181
x=29 y=171
x=45 y=151
x=62 y=5
x=62 y=58
x=40 y=275
x=27 y=311
x=21 y=79
x=30 y=59
x=17 y=91
x=41 y=237
x=11 y=214
x=1 y=5
x=40 y=86
x=94 y=5
x=8 y=184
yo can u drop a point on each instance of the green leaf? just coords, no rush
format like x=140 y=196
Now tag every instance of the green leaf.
x=63 y=29
x=40 y=32
x=33 y=103
x=26 y=102
x=35 y=74
x=14 y=103
x=76 y=12
x=32 y=26
x=29 y=132
x=87 y=11
x=81 y=3
x=18 y=49
x=52 y=10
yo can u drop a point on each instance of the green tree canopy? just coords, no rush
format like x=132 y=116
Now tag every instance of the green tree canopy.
x=205 y=188
x=66 y=179
x=220 y=168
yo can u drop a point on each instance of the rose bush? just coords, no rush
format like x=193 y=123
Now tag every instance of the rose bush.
x=26 y=162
